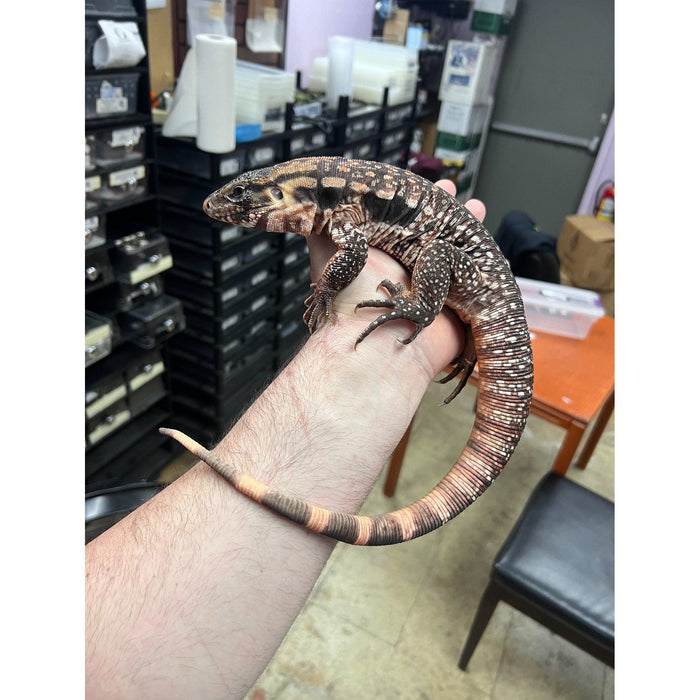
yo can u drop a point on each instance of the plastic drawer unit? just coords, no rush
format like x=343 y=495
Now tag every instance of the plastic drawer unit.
x=102 y=393
x=199 y=231
x=153 y=322
x=98 y=269
x=119 y=145
x=99 y=336
x=111 y=95
x=138 y=256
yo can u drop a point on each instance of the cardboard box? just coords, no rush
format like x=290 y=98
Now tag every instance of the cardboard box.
x=586 y=250
x=607 y=299
x=467 y=72
x=395 y=28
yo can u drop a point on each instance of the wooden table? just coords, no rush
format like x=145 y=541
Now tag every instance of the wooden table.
x=574 y=387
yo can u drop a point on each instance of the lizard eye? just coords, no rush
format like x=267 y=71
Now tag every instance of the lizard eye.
x=276 y=193
x=238 y=191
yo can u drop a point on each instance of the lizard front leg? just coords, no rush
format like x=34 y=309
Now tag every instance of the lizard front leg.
x=343 y=267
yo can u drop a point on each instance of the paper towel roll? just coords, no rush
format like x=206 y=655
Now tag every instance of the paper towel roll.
x=340 y=56
x=182 y=118
x=216 y=104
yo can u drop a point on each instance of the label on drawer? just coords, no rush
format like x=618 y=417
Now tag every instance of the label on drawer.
x=126 y=137
x=92 y=183
x=229 y=166
x=259 y=249
x=260 y=277
x=111 y=100
x=124 y=177
x=230 y=262
x=264 y=154
x=231 y=233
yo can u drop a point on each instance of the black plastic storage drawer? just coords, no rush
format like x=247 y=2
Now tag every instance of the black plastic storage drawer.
x=219 y=269
x=147 y=395
x=213 y=406
x=95 y=231
x=260 y=302
x=206 y=422
x=188 y=368
x=138 y=256
x=101 y=394
x=98 y=269
x=199 y=230
x=124 y=297
x=153 y=322
x=219 y=300
x=307 y=139
x=109 y=8
x=106 y=422
x=100 y=336
x=111 y=95
x=182 y=154
x=119 y=145
x=216 y=349
x=143 y=369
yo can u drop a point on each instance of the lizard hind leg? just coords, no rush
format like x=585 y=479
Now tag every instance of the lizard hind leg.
x=430 y=285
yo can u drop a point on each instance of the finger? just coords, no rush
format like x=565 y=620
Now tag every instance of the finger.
x=477 y=208
x=448 y=186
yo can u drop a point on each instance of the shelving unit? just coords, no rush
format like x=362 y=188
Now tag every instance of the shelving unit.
x=129 y=318
x=242 y=290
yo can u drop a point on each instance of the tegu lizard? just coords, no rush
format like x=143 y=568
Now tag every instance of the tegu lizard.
x=453 y=261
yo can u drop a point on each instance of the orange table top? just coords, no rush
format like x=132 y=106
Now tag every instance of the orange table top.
x=573 y=377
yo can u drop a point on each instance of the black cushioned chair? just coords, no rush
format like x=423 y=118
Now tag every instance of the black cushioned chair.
x=557 y=567
x=106 y=507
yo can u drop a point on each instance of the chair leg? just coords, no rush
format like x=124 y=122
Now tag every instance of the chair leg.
x=573 y=436
x=392 y=476
x=487 y=605
x=596 y=431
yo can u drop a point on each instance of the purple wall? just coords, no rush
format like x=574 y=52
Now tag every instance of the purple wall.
x=310 y=23
x=603 y=169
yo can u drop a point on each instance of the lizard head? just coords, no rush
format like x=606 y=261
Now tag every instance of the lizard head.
x=260 y=199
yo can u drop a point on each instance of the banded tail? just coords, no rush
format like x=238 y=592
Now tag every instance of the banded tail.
x=505 y=387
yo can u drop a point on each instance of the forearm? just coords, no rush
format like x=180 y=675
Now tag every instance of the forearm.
x=191 y=595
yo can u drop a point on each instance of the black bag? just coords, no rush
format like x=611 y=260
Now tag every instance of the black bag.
x=530 y=252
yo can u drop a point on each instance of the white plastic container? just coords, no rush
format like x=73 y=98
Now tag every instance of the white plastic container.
x=555 y=308
x=467 y=71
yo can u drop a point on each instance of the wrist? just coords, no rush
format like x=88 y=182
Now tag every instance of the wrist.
x=343 y=408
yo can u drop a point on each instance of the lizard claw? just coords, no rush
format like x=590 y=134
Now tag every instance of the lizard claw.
x=394 y=290
x=319 y=308
x=403 y=307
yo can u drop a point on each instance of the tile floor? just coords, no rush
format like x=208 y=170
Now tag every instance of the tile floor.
x=389 y=623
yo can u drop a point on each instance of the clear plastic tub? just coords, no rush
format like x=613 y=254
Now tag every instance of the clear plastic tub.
x=555 y=308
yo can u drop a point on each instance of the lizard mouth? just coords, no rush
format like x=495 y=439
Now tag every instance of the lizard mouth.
x=212 y=208
x=231 y=213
